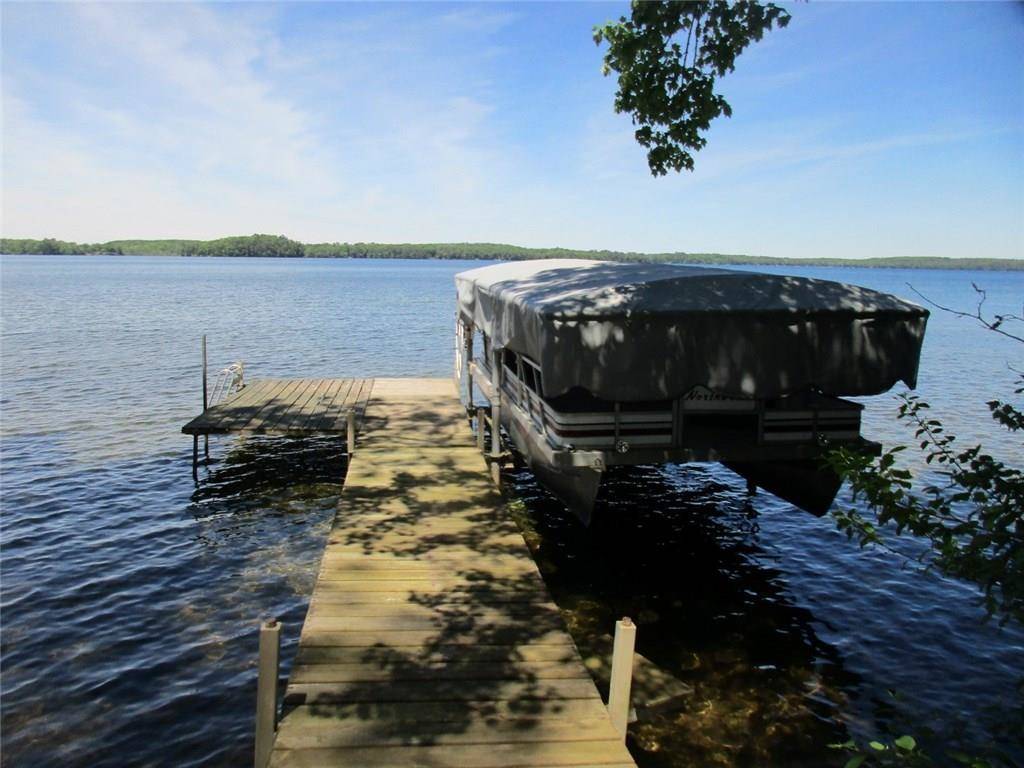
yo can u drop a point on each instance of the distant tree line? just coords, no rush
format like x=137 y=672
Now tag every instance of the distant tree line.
x=253 y=245
x=283 y=247
x=50 y=246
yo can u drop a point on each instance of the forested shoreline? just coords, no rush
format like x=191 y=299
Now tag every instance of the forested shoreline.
x=277 y=246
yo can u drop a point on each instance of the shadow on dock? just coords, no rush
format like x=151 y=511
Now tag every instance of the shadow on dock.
x=430 y=637
x=506 y=662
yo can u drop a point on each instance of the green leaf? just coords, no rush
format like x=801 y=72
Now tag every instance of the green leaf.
x=855 y=761
x=877 y=745
x=906 y=742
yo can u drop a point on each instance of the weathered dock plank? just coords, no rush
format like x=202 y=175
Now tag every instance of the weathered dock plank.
x=430 y=638
x=320 y=727
x=312 y=654
x=517 y=754
x=236 y=412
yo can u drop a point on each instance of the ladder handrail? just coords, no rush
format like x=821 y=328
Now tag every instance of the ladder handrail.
x=229 y=381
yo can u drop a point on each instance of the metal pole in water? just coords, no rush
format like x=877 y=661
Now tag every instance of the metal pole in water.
x=205 y=397
x=206 y=402
x=350 y=431
x=266 y=691
x=622 y=674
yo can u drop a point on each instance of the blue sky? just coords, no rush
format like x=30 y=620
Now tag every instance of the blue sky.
x=892 y=129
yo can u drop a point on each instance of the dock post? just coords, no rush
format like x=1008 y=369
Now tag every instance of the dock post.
x=266 y=691
x=195 y=458
x=622 y=674
x=350 y=431
x=481 y=419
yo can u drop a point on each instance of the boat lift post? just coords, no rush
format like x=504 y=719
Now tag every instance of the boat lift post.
x=496 y=382
x=481 y=420
x=467 y=330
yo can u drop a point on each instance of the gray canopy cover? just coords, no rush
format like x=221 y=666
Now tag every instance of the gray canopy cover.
x=654 y=331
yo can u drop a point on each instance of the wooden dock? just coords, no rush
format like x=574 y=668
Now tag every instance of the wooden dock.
x=430 y=638
x=295 y=407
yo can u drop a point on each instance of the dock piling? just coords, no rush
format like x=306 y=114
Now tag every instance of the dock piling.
x=350 y=431
x=266 y=691
x=622 y=674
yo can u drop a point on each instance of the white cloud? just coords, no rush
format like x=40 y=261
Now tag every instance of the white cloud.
x=477 y=19
x=197 y=133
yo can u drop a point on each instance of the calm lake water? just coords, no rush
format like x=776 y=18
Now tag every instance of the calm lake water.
x=130 y=597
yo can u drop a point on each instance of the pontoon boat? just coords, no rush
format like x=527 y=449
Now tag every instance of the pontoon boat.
x=589 y=364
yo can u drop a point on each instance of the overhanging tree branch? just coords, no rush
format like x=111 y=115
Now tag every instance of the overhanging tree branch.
x=671 y=99
x=993 y=325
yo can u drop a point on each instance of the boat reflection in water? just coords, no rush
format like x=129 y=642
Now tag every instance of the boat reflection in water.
x=590 y=364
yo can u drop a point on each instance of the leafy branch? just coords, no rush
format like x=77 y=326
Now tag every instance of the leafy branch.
x=670 y=94
x=973 y=518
